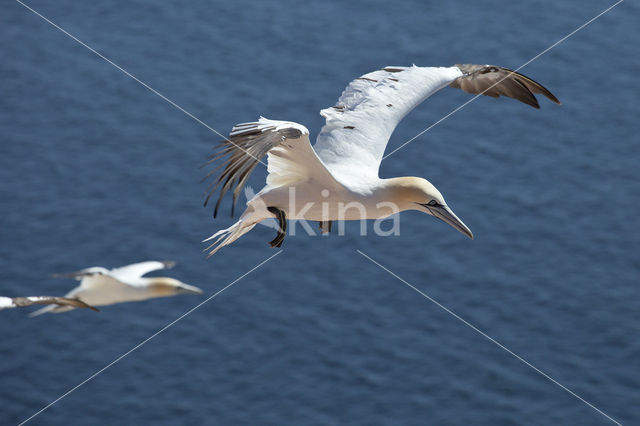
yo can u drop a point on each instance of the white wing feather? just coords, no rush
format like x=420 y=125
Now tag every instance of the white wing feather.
x=6 y=302
x=352 y=142
x=131 y=273
x=290 y=157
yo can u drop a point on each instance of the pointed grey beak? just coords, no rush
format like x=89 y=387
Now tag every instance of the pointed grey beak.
x=188 y=289
x=445 y=214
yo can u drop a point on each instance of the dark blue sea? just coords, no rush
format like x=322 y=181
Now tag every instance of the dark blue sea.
x=95 y=169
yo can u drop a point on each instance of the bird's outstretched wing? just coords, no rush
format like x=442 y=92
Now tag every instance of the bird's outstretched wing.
x=87 y=272
x=291 y=157
x=134 y=271
x=352 y=142
x=15 y=302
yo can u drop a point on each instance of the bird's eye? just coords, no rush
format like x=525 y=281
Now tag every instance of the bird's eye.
x=433 y=203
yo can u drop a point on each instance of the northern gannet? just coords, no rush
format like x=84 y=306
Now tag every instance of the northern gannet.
x=337 y=178
x=100 y=286
x=19 y=302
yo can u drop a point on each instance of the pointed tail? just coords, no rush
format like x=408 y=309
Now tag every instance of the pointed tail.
x=225 y=237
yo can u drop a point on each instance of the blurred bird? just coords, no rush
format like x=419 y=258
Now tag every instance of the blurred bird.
x=100 y=286
x=19 y=302
x=342 y=167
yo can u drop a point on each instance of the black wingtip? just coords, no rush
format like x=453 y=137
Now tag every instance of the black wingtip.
x=495 y=81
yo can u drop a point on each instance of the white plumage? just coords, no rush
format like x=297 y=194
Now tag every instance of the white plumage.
x=342 y=167
x=100 y=286
x=373 y=105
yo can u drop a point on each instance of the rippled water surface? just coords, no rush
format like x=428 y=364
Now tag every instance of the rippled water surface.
x=97 y=170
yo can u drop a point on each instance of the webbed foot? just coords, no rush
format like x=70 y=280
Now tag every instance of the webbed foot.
x=282 y=222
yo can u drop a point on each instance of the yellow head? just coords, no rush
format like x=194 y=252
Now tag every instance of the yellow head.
x=412 y=193
x=165 y=286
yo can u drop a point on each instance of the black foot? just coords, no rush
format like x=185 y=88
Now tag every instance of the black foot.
x=325 y=226
x=282 y=231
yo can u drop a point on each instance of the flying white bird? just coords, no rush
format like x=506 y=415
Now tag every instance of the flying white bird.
x=100 y=286
x=338 y=179
x=19 y=302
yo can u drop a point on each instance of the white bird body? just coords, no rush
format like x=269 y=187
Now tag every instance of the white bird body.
x=101 y=290
x=337 y=178
x=370 y=201
x=100 y=286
